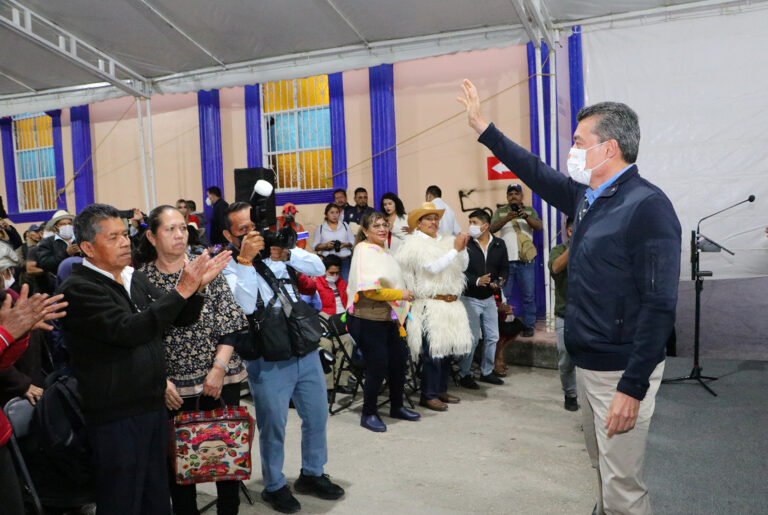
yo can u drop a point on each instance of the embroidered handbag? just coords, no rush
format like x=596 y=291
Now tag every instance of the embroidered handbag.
x=211 y=445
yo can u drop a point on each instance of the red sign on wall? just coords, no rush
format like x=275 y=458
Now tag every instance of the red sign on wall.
x=498 y=172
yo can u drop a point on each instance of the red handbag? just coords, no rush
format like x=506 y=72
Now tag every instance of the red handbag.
x=212 y=445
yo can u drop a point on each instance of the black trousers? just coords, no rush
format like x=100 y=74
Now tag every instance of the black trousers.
x=184 y=497
x=10 y=487
x=130 y=459
x=386 y=356
x=434 y=373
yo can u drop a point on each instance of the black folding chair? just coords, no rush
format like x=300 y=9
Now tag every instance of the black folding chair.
x=19 y=412
x=334 y=329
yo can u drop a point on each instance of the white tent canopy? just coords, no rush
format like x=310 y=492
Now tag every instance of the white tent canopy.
x=65 y=53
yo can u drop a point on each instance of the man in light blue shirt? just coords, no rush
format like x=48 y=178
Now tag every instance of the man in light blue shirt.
x=274 y=384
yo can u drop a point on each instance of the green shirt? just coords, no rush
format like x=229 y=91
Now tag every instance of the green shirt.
x=561 y=280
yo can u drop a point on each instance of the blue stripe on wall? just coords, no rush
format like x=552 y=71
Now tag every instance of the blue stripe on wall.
x=210 y=143
x=383 y=138
x=338 y=131
x=576 y=74
x=80 y=123
x=253 y=126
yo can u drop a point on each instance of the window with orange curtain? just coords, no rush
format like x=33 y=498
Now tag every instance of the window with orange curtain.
x=35 y=162
x=296 y=124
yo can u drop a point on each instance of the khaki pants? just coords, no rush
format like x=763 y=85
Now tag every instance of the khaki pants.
x=619 y=460
x=326 y=344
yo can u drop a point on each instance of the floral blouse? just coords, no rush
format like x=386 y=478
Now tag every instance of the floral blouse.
x=189 y=351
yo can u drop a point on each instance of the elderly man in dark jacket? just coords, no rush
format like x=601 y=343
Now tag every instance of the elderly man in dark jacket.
x=623 y=272
x=114 y=332
x=486 y=273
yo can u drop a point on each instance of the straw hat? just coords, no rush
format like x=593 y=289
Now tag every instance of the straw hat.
x=427 y=208
x=58 y=215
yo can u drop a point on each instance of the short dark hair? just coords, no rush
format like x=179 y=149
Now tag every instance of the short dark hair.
x=88 y=222
x=481 y=214
x=214 y=190
x=399 y=207
x=360 y=190
x=234 y=207
x=339 y=190
x=615 y=121
x=181 y=200
x=191 y=205
x=331 y=260
x=435 y=191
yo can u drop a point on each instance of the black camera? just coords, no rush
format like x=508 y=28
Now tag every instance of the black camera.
x=285 y=237
x=336 y=245
x=327 y=360
x=514 y=207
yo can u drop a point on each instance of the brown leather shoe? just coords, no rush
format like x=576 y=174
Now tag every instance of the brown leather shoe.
x=448 y=398
x=433 y=404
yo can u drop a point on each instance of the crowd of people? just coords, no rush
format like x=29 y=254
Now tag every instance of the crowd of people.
x=157 y=304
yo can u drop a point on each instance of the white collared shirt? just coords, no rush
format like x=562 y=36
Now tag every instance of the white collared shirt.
x=126 y=275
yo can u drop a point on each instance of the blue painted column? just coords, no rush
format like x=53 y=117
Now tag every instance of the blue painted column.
x=338 y=131
x=253 y=126
x=576 y=74
x=210 y=143
x=383 y=139
x=82 y=164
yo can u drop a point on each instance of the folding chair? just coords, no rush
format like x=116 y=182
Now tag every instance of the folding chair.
x=334 y=329
x=19 y=412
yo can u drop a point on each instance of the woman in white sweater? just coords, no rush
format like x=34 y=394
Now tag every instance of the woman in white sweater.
x=334 y=237
x=392 y=207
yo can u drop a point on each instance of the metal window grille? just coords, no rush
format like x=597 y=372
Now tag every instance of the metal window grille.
x=35 y=162
x=296 y=121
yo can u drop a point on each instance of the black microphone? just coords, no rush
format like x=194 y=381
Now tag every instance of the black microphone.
x=751 y=198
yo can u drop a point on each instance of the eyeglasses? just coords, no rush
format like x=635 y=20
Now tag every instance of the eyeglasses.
x=384 y=225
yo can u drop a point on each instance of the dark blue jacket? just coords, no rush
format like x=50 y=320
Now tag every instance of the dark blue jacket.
x=623 y=267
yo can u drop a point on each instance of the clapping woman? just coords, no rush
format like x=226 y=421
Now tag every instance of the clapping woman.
x=203 y=369
x=378 y=304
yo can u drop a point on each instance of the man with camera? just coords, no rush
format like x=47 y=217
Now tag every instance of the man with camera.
x=283 y=372
x=515 y=223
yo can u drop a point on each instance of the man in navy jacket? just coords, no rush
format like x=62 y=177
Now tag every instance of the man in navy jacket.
x=623 y=272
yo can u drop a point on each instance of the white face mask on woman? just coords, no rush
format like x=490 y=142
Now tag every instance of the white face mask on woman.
x=7 y=283
x=67 y=232
x=577 y=162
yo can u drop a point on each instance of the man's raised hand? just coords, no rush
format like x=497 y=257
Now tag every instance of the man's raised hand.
x=471 y=101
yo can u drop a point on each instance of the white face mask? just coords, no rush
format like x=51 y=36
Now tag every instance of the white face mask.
x=331 y=278
x=577 y=162
x=47 y=234
x=208 y=201
x=476 y=231
x=7 y=283
x=67 y=231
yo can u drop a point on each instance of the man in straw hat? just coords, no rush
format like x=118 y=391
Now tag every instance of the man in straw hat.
x=52 y=251
x=433 y=269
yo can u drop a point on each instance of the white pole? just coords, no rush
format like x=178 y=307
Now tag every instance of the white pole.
x=152 y=185
x=143 y=154
x=555 y=219
x=544 y=205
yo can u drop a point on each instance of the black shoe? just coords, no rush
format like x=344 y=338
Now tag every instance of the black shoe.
x=527 y=332
x=571 y=403
x=491 y=379
x=404 y=413
x=319 y=486
x=281 y=500
x=469 y=383
x=345 y=389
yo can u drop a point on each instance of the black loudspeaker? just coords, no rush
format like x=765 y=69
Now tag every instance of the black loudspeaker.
x=245 y=178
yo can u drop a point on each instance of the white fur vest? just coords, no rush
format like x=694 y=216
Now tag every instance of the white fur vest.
x=445 y=324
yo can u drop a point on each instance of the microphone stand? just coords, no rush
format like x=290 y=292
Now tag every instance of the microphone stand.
x=700 y=243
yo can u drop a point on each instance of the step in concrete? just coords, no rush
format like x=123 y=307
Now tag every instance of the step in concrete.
x=540 y=350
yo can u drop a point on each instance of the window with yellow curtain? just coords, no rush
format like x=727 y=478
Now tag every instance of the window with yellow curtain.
x=296 y=122
x=35 y=162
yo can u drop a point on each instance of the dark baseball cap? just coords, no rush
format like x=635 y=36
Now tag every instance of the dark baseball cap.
x=517 y=187
x=34 y=228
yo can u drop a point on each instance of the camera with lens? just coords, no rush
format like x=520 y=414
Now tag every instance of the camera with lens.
x=514 y=208
x=262 y=217
x=336 y=245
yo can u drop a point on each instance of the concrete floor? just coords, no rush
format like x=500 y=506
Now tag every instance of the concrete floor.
x=503 y=449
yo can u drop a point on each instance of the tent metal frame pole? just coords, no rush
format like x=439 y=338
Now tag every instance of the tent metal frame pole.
x=554 y=219
x=143 y=155
x=38 y=29
x=543 y=156
x=151 y=155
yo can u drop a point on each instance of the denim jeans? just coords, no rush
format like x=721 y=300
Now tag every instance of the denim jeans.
x=523 y=274
x=483 y=314
x=273 y=384
x=564 y=363
x=345 y=265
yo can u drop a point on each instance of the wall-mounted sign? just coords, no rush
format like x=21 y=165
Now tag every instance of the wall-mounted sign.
x=498 y=172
